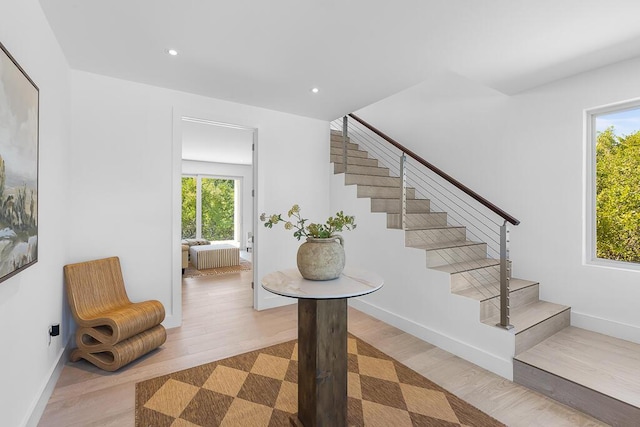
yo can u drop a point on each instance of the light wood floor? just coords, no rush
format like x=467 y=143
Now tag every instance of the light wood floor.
x=219 y=321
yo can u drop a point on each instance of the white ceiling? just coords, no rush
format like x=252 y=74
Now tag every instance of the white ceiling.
x=207 y=142
x=271 y=53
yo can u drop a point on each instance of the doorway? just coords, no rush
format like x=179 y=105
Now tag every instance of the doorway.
x=220 y=158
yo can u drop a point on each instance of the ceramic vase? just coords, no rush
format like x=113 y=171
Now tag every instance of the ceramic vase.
x=321 y=259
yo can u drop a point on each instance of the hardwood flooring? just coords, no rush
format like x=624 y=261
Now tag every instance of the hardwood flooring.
x=219 y=322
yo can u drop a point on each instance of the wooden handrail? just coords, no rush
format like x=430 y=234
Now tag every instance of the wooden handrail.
x=439 y=172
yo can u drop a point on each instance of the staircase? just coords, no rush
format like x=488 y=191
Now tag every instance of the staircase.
x=475 y=276
x=447 y=249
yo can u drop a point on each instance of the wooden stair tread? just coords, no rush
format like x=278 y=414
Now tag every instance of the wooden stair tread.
x=419 y=227
x=383 y=186
x=435 y=227
x=608 y=365
x=360 y=161
x=492 y=290
x=382 y=192
x=363 y=170
x=356 y=174
x=418 y=214
x=446 y=245
x=522 y=318
x=372 y=180
x=460 y=267
x=393 y=207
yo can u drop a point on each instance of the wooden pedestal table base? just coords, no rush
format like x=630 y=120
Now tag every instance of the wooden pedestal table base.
x=322 y=340
x=322 y=362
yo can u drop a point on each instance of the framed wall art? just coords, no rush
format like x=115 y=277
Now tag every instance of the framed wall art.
x=19 y=110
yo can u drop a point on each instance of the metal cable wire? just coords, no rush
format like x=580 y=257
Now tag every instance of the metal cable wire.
x=394 y=153
x=434 y=190
x=430 y=186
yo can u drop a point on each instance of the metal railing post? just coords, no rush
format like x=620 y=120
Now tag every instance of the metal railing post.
x=345 y=130
x=403 y=198
x=504 y=277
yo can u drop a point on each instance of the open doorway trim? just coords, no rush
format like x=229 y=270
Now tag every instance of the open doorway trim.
x=176 y=184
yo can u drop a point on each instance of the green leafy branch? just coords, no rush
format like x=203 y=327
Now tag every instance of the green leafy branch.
x=334 y=224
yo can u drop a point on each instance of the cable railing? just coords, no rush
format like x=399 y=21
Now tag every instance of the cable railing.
x=483 y=221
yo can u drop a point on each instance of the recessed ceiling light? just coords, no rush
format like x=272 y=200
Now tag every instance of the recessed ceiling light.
x=315 y=90
x=172 y=52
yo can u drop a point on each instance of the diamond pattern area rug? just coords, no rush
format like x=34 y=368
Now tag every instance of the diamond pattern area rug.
x=259 y=388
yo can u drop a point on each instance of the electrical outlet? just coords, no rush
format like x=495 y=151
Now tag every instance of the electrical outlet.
x=54 y=330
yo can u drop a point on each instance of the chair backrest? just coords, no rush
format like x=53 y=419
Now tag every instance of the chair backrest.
x=94 y=287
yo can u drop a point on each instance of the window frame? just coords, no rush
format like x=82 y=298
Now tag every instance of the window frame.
x=590 y=232
x=237 y=201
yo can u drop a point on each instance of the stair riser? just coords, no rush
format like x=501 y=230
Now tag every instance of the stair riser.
x=605 y=408
x=417 y=220
x=338 y=137
x=393 y=206
x=361 y=170
x=384 y=192
x=377 y=181
x=543 y=330
x=478 y=278
x=454 y=255
x=437 y=235
x=360 y=161
x=350 y=153
x=517 y=298
x=338 y=145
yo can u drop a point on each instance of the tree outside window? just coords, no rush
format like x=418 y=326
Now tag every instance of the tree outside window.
x=617 y=198
x=218 y=209
x=189 y=196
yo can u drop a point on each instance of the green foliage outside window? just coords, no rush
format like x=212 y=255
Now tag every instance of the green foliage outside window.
x=218 y=208
x=188 y=207
x=618 y=196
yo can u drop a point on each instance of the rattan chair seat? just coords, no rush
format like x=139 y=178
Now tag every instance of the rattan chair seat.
x=112 y=331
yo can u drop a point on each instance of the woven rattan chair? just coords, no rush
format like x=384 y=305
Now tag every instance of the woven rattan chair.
x=112 y=331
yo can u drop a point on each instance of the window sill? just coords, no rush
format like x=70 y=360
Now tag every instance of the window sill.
x=616 y=265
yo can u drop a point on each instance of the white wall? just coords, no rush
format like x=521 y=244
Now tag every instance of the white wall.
x=33 y=300
x=226 y=170
x=126 y=169
x=526 y=154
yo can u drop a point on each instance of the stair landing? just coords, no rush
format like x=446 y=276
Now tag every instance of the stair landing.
x=592 y=372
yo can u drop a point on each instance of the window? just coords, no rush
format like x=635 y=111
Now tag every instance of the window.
x=209 y=208
x=614 y=136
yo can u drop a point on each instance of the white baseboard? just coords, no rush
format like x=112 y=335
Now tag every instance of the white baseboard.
x=488 y=361
x=172 y=321
x=39 y=405
x=605 y=326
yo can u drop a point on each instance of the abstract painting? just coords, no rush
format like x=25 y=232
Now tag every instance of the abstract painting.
x=19 y=108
